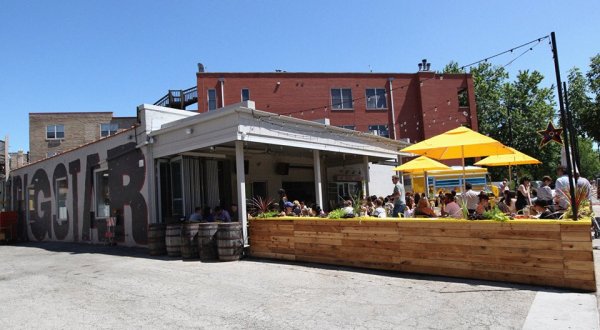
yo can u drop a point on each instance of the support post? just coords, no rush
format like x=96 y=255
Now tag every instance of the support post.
x=241 y=188
x=565 y=125
x=366 y=178
x=318 y=181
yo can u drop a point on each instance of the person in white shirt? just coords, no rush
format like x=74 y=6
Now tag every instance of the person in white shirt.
x=544 y=193
x=561 y=187
x=583 y=183
x=452 y=209
x=379 y=210
x=504 y=186
x=471 y=198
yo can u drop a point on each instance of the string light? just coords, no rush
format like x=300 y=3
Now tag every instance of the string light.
x=421 y=82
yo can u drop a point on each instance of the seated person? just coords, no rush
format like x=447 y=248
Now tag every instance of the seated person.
x=222 y=215
x=483 y=205
x=207 y=214
x=288 y=210
x=545 y=192
x=506 y=204
x=542 y=212
x=348 y=209
x=379 y=211
x=451 y=209
x=197 y=215
x=423 y=210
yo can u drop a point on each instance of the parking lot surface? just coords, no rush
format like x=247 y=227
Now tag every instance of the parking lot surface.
x=74 y=286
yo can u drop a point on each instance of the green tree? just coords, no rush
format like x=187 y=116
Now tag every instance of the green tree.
x=590 y=163
x=528 y=106
x=580 y=103
x=594 y=86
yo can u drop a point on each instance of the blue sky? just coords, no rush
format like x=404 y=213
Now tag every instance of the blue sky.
x=114 y=55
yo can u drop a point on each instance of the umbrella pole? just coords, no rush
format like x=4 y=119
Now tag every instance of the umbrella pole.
x=462 y=154
x=509 y=175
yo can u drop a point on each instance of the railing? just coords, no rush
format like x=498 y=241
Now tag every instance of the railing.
x=179 y=99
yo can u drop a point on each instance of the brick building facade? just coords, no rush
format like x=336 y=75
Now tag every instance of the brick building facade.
x=51 y=133
x=415 y=106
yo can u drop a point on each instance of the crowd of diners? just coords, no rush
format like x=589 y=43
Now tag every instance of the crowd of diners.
x=542 y=202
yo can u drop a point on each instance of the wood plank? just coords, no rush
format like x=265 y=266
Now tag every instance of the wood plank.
x=434 y=247
x=269 y=255
x=579 y=275
x=514 y=225
x=577 y=246
x=429 y=232
x=432 y=263
x=576 y=226
x=517 y=252
x=579 y=265
x=318 y=240
x=516 y=234
x=578 y=255
x=432 y=270
x=589 y=286
x=514 y=269
x=576 y=236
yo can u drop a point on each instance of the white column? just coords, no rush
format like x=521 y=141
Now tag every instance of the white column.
x=318 y=182
x=241 y=187
x=366 y=179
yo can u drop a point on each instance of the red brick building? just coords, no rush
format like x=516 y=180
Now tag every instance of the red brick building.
x=398 y=105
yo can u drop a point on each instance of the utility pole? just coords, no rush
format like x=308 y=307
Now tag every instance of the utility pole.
x=563 y=118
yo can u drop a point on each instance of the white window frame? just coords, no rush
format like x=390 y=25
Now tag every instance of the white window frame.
x=376 y=89
x=110 y=129
x=62 y=212
x=96 y=187
x=55 y=131
x=341 y=107
x=208 y=99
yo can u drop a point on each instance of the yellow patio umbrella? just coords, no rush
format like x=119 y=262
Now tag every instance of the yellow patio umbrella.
x=515 y=158
x=458 y=143
x=422 y=164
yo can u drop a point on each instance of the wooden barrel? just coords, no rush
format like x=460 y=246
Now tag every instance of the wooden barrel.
x=156 y=239
x=230 y=243
x=189 y=240
x=207 y=241
x=173 y=240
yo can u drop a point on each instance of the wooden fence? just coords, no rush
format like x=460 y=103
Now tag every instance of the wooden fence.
x=553 y=253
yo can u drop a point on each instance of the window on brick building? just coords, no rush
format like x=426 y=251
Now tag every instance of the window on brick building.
x=341 y=98
x=463 y=98
x=54 y=132
x=212 y=99
x=245 y=94
x=108 y=129
x=376 y=98
x=352 y=127
x=381 y=130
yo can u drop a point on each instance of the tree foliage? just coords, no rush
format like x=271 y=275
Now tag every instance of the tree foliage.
x=512 y=112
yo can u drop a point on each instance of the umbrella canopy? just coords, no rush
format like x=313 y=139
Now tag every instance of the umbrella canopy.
x=516 y=158
x=461 y=142
x=421 y=164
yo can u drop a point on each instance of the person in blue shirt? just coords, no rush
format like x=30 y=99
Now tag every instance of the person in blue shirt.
x=197 y=215
x=222 y=214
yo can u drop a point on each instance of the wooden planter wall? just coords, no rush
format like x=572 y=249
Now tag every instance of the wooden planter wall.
x=532 y=252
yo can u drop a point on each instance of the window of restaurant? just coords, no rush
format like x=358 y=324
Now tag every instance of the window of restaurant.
x=61 y=198
x=102 y=194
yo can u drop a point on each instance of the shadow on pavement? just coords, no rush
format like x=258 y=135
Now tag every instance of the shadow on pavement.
x=138 y=252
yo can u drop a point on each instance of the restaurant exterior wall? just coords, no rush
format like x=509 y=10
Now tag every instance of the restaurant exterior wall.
x=553 y=253
x=46 y=216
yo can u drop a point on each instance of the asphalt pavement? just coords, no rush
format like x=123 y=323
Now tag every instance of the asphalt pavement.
x=73 y=286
